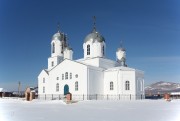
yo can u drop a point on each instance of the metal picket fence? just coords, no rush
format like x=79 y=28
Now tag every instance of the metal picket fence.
x=91 y=97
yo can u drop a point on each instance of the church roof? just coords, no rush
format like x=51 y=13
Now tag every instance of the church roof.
x=121 y=49
x=44 y=71
x=99 y=62
x=123 y=68
x=68 y=48
x=94 y=67
x=87 y=65
x=57 y=36
x=95 y=36
x=3 y=90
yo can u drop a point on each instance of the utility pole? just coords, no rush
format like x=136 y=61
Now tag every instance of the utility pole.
x=19 y=85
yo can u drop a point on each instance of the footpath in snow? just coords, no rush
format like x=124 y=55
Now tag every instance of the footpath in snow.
x=140 y=110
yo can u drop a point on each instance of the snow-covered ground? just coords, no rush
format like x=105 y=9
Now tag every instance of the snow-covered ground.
x=141 y=110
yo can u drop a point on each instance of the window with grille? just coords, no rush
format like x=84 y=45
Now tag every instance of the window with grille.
x=57 y=87
x=76 y=86
x=88 y=49
x=62 y=76
x=103 y=50
x=66 y=75
x=111 y=86
x=127 y=85
x=44 y=80
x=53 y=48
x=57 y=78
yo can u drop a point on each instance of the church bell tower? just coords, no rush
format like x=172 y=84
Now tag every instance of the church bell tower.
x=58 y=44
x=60 y=49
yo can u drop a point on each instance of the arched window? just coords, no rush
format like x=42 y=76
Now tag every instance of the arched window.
x=103 y=50
x=66 y=75
x=127 y=85
x=52 y=63
x=111 y=86
x=57 y=87
x=44 y=80
x=70 y=76
x=53 y=48
x=57 y=78
x=76 y=86
x=76 y=75
x=88 y=49
x=62 y=76
x=43 y=89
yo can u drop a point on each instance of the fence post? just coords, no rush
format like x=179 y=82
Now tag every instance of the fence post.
x=83 y=96
x=96 y=96
x=141 y=96
x=52 y=96
x=59 y=96
x=45 y=96
x=130 y=96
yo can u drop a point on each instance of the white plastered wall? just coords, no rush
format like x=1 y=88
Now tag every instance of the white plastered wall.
x=119 y=77
x=96 y=82
x=70 y=67
x=68 y=54
x=140 y=84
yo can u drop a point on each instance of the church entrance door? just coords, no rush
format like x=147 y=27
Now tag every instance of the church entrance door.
x=66 y=89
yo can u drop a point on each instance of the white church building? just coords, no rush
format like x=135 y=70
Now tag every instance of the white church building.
x=92 y=77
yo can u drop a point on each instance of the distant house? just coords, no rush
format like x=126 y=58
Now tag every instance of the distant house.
x=5 y=93
x=175 y=95
x=1 y=92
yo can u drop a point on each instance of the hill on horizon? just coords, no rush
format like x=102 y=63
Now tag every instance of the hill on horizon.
x=162 y=87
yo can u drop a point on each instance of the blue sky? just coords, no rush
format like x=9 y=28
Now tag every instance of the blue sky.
x=149 y=29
